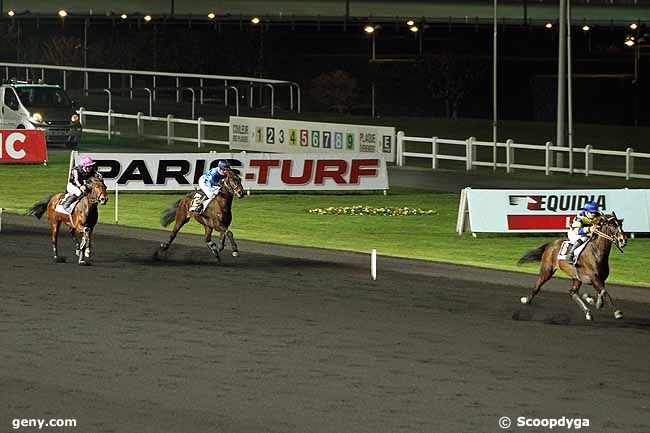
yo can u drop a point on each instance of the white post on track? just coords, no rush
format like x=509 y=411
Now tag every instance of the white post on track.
x=117 y=202
x=373 y=264
x=0 y=219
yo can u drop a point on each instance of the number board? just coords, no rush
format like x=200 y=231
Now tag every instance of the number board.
x=275 y=135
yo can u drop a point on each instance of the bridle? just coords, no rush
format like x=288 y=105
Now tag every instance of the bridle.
x=607 y=220
x=93 y=196
x=231 y=182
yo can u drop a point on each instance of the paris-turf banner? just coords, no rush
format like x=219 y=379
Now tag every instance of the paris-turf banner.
x=22 y=145
x=258 y=171
x=297 y=136
x=501 y=211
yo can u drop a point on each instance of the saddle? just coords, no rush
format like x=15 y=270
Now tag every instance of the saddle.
x=564 y=250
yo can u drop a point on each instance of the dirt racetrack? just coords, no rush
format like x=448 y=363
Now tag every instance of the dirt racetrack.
x=300 y=340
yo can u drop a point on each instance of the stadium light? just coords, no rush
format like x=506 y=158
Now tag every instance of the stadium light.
x=147 y=18
x=255 y=20
x=124 y=16
x=11 y=13
x=410 y=23
x=63 y=13
x=369 y=29
x=634 y=26
x=548 y=25
x=629 y=41
x=211 y=15
x=585 y=28
x=414 y=29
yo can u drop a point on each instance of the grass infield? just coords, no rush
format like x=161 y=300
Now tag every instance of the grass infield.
x=285 y=219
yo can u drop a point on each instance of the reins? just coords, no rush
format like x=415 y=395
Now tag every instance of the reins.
x=608 y=237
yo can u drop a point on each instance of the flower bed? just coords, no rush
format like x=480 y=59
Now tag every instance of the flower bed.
x=367 y=210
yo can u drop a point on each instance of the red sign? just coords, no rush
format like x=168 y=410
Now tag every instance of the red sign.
x=341 y=171
x=21 y=145
x=540 y=222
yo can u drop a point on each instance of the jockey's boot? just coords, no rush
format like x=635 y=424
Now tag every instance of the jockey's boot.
x=570 y=255
x=69 y=200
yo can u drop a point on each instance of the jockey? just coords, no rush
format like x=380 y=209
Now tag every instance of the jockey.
x=210 y=184
x=78 y=177
x=582 y=225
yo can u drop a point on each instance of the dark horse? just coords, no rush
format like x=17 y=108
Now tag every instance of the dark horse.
x=81 y=221
x=217 y=216
x=592 y=266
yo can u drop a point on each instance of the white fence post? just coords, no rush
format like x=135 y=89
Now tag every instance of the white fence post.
x=399 y=149
x=82 y=116
x=547 y=157
x=170 y=129
x=201 y=131
x=434 y=152
x=469 y=153
x=510 y=155
x=588 y=159
x=110 y=123
x=629 y=163
x=139 y=124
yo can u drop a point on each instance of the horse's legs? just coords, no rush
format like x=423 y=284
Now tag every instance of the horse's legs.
x=54 y=232
x=604 y=295
x=575 y=287
x=214 y=249
x=233 y=245
x=84 y=246
x=73 y=235
x=545 y=273
x=90 y=242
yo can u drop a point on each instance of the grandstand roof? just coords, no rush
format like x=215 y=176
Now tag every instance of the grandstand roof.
x=592 y=11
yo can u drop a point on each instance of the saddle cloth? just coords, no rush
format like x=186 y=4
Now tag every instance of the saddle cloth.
x=564 y=249
x=198 y=199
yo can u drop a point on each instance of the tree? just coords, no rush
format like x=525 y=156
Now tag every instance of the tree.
x=450 y=77
x=337 y=90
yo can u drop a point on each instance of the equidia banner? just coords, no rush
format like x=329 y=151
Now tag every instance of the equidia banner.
x=291 y=136
x=258 y=171
x=21 y=145
x=503 y=211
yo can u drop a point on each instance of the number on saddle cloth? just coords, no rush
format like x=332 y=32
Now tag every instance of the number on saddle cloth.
x=197 y=200
x=566 y=246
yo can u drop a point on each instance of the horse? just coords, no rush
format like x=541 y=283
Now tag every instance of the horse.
x=592 y=266
x=82 y=220
x=217 y=216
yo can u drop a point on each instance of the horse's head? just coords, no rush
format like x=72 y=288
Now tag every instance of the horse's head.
x=613 y=227
x=232 y=182
x=97 y=190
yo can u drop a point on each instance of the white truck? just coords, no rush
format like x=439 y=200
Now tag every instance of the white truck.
x=46 y=107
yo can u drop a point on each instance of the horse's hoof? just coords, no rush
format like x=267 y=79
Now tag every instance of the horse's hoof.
x=588 y=299
x=84 y=263
x=524 y=300
x=618 y=314
x=235 y=253
x=164 y=246
x=588 y=315
x=59 y=259
x=76 y=253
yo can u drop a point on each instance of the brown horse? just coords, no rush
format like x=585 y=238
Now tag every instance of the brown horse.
x=82 y=220
x=217 y=216
x=592 y=266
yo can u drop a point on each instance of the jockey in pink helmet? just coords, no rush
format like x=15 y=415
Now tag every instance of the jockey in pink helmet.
x=77 y=180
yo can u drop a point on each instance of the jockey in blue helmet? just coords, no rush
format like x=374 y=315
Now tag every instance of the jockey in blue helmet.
x=582 y=225
x=210 y=184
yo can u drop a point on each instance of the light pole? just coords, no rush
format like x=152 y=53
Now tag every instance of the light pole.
x=370 y=30
x=561 y=82
x=494 y=89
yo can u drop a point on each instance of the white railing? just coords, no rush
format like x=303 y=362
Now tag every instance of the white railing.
x=140 y=120
x=467 y=153
x=226 y=79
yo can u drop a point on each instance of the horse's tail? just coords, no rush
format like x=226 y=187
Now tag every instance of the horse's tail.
x=534 y=255
x=39 y=207
x=169 y=214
